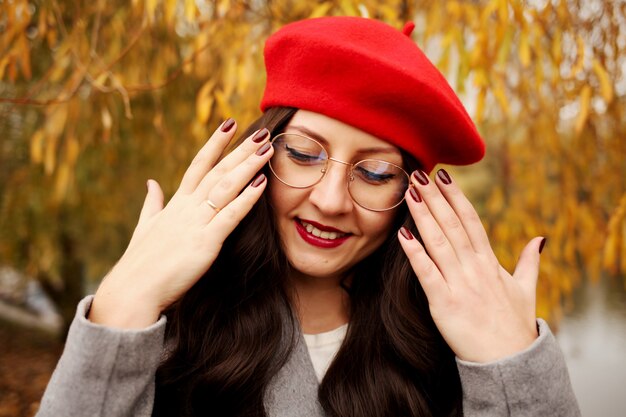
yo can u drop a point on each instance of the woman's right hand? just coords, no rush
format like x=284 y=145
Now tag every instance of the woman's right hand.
x=173 y=246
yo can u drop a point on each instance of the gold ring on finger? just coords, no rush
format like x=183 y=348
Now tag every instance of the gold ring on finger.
x=212 y=205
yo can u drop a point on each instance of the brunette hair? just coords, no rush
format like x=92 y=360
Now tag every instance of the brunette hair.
x=231 y=333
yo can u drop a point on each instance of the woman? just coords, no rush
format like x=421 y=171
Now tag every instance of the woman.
x=316 y=269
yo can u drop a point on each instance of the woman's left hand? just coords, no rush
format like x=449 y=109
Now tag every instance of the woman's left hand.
x=483 y=312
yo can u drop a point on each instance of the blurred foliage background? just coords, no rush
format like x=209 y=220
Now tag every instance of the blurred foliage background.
x=98 y=96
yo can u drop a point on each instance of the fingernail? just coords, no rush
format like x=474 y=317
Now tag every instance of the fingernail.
x=420 y=176
x=227 y=125
x=258 y=180
x=406 y=233
x=444 y=176
x=263 y=149
x=542 y=244
x=260 y=135
x=416 y=196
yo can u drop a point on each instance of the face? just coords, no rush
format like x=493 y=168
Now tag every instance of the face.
x=301 y=213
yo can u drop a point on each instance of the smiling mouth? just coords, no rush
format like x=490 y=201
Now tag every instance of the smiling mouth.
x=321 y=233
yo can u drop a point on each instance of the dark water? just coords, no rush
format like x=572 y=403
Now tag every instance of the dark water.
x=593 y=339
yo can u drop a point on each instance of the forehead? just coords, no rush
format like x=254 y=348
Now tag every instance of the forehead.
x=338 y=135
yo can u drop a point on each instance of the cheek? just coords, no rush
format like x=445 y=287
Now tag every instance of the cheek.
x=378 y=224
x=278 y=194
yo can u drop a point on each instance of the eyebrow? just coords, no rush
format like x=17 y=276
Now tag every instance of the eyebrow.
x=320 y=138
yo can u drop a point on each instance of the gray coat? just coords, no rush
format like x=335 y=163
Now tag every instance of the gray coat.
x=108 y=372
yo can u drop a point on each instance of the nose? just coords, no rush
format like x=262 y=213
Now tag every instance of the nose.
x=331 y=195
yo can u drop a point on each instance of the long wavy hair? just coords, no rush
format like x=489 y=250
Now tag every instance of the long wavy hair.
x=231 y=333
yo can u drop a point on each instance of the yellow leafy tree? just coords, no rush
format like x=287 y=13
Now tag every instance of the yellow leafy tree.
x=96 y=97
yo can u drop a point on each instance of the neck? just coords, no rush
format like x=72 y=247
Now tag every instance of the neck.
x=322 y=305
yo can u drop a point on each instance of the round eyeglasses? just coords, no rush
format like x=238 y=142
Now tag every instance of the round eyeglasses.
x=301 y=162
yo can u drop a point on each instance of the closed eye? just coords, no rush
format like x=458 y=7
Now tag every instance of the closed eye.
x=300 y=156
x=374 y=177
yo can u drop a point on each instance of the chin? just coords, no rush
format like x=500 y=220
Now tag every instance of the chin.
x=321 y=267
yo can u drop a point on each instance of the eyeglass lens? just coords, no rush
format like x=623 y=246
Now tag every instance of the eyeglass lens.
x=301 y=162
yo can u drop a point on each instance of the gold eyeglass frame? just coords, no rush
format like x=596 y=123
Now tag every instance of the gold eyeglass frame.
x=350 y=173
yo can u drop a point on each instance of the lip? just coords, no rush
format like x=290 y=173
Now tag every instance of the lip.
x=318 y=241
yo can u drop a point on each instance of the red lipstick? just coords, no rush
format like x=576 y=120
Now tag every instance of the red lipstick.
x=320 y=242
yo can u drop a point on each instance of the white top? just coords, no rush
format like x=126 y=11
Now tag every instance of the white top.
x=323 y=347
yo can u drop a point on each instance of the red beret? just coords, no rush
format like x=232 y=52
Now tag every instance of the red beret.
x=372 y=76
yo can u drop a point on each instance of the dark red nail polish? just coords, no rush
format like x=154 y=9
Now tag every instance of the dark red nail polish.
x=227 y=125
x=444 y=176
x=421 y=177
x=258 y=180
x=406 y=233
x=542 y=244
x=263 y=149
x=260 y=135
x=416 y=196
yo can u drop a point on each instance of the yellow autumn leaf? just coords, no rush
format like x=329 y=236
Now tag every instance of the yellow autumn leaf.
x=204 y=102
x=42 y=27
x=557 y=48
x=562 y=11
x=488 y=12
x=50 y=154
x=223 y=103
x=23 y=48
x=37 y=146
x=606 y=88
x=321 y=9
x=62 y=183
x=500 y=95
x=524 y=49
x=505 y=47
x=348 y=8
x=101 y=80
x=170 y=10
x=190 y=10
x=503 y=11
x=480 y=105
x=72 y=150
x=583 y=113
x=453 y=9
x=55 y=121
x=150 y=8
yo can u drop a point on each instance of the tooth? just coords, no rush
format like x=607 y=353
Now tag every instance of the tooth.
x=316 y=232
x=332 y=235
x=309 y=228
x=325 y=235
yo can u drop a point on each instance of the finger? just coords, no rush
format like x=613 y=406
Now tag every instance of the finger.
x=429 y=276
x=231 y=215
x=436 y=243
x=527 y=268
x=444 y=215
x=223 y=189
x=153 y=202
x=465 y=212
x=223 y=169
x=208 y=156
